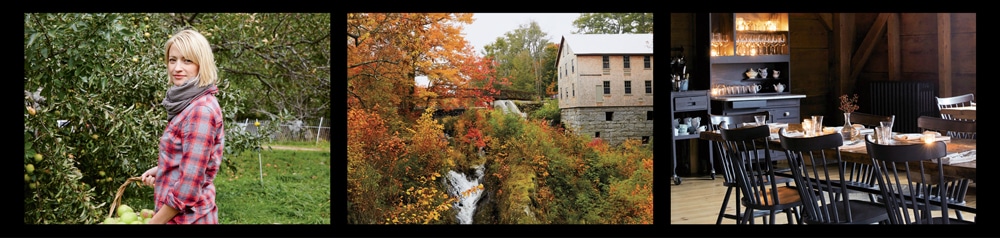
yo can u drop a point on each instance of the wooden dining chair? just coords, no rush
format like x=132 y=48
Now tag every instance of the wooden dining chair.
x=756 y=177
x=821 y=178
x=954 y=128
x=956 y=101
x=905 y=181
x=956 y=188
x=863 y=174
x=719 y=122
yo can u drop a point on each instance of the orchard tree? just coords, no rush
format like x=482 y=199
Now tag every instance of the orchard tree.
x=614 y=23
x=92 y=119
x=283 y=59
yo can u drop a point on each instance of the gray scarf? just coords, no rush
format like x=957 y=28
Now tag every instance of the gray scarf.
x=179 y=97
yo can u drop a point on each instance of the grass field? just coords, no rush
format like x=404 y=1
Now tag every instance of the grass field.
x=295 y=189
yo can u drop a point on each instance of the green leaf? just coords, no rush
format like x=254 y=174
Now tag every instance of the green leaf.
x=32 y=39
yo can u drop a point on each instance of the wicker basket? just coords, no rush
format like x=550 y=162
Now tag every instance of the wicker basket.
x=121 y=190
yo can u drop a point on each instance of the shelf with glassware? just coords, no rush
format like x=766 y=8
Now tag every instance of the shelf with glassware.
x=745 y=36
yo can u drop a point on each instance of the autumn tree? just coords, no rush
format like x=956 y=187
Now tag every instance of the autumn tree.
x=550 y=71
x=373 y=154
x=386 y=51
x=614 y=23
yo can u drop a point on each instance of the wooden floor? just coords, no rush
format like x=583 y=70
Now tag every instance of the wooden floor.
x=697 y=200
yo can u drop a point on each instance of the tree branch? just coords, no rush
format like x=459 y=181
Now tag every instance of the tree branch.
x=259 y=77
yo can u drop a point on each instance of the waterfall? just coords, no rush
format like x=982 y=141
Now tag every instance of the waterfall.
x=466 y=204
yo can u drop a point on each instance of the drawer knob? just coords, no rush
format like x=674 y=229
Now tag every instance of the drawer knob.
x=786 y=114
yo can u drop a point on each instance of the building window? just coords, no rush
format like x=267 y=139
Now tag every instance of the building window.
x=645 y=140
x=649 y=86
x=607 y=61
x=572 y=66
x=607 y=87
x=608 y=116
x=574 y=90
x=597 y=134
x=649 y=115
x=626 y=60
x=628 y=86
x=645 y=62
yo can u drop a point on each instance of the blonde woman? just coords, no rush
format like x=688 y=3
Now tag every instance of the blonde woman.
x=191 y=147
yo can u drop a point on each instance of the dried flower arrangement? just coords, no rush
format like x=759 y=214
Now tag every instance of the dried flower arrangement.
x=848 y=105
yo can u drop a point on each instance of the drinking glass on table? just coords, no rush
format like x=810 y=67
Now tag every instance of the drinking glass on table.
x=761 y=120
x=817 y=124
x=807 y=127
x=884 y=134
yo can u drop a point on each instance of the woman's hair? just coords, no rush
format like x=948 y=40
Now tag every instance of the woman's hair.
x=195 y=47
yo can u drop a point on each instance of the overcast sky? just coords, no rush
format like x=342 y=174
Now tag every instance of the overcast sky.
x=486 y=27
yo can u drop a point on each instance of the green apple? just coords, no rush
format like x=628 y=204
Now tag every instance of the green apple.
x=38 y=158
x=101 y=173
x=27 y=178
x=125 y=209
x=110 y=220
x=30 y=168
x=128 y=217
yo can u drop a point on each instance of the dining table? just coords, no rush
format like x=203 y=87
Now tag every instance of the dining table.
x=856 y=151
x=963 y=112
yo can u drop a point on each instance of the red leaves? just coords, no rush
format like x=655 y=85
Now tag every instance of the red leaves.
x=475 y=136
x=598 y=144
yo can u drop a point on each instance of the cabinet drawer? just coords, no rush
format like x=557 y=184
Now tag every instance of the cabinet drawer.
x=793 y=102
x=749 y=104
x=691 y=103
x=785 y=114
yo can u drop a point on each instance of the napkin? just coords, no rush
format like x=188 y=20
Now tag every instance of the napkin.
x=908 y=137
x=917 y=137
x=852 y=145
x=959 y=157
x=794 y=134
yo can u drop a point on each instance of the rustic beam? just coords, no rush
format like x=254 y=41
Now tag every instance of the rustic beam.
x=843 y=45
x=865 y=49
x=895 y=52
x=944 y=54
x=826 y=19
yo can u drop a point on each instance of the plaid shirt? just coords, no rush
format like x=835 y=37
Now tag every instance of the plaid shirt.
x=190 y=153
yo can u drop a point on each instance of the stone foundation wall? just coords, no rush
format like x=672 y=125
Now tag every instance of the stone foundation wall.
x=627 y=122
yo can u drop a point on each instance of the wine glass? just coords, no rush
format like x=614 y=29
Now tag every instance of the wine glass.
x=781 y=44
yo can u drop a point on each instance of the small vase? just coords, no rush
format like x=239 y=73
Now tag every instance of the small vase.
x=849 y=132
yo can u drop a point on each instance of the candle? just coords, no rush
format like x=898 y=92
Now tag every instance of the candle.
x=928 y=138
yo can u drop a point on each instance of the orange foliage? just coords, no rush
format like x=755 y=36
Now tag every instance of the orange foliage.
x=372 y=152
x=386 y=51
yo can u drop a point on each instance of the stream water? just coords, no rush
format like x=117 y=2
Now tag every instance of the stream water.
x=466 y=204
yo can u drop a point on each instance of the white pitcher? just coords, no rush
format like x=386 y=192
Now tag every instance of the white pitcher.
x=779 y=87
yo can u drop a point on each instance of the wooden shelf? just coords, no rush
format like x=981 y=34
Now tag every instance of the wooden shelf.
x=749 y=59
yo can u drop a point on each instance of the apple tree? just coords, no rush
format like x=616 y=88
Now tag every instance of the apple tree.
x=92 y=87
